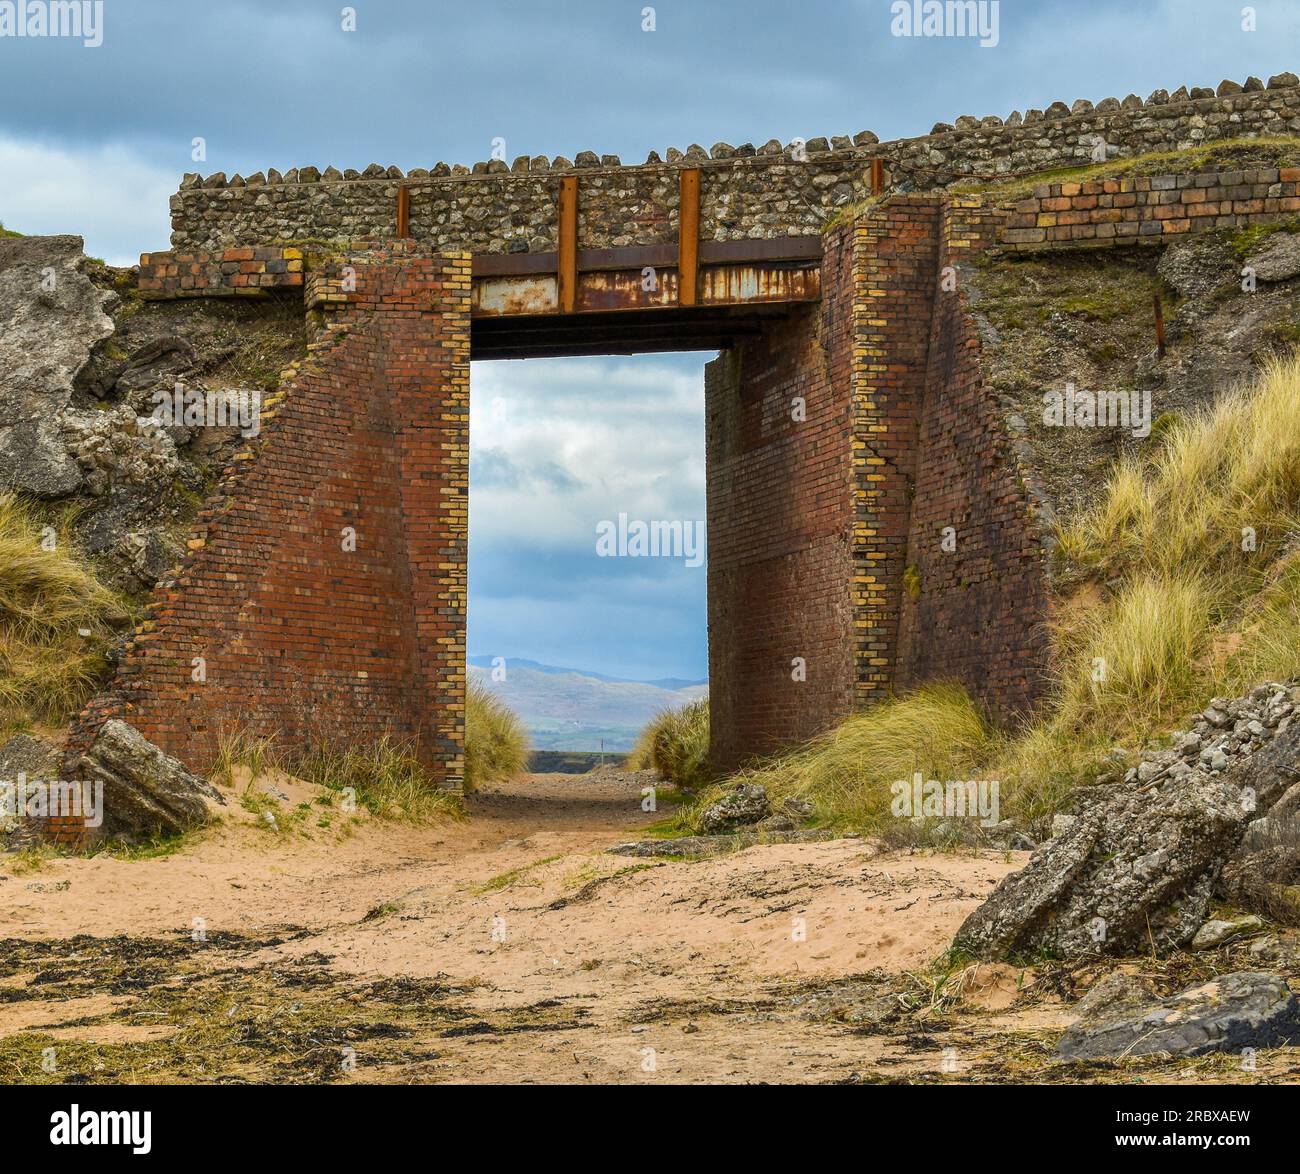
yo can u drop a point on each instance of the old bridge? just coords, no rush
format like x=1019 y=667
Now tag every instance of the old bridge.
x=848 y=427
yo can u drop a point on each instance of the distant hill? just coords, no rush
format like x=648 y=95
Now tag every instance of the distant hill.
x=572 y=709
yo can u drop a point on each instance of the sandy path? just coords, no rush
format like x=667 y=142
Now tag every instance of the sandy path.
x=521 y=907
x=512 y=947
x=532 y=854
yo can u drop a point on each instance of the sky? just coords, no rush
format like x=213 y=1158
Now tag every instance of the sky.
x=93 y=140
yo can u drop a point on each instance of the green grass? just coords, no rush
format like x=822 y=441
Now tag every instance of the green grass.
x=496 y=744
x=676 y=744
x=512 y=876
x=846 y=774
x=385 y=776
x=1165 y=605
x=56 y=619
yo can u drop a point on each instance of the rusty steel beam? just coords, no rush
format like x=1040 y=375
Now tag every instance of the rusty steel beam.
x=877 y=176
x=784 y=248
x=622 y=290
x=566 y=266
x=403 y=212
x=619 y=334
x=688 y=236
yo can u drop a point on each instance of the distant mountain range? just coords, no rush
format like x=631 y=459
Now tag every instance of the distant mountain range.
x=573 y=709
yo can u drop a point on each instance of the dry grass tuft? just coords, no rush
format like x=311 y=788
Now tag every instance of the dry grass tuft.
x=56 y=619
x=496 y=744
x=676 y=744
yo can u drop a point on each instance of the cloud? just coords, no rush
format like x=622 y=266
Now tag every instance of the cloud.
x=111 y=195
x=557 y=446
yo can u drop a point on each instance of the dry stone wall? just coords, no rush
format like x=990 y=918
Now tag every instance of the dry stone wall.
x=747 y=192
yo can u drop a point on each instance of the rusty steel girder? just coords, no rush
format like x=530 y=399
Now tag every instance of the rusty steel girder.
x=736 y=274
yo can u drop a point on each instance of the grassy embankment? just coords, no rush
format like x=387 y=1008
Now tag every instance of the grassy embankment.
x=1181 y=583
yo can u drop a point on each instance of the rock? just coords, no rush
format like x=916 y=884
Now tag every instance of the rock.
x=1226 y=1014
x=1264 y=873
x=1116 y=992
x=1215 y=933
x=33 y=458
x=744 y=804
x=159 y=363
x=1196 y=267
x=1143 y=860
x=31 y=757
x=1279 y=259
x=26 y=755
x=146 y=793
x=1139 y=855
x=51 y=317
x=1062 y=823
x=117 y=447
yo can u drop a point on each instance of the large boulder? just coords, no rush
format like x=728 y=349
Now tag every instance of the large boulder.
x=51 y=317
x=1226 y=1014
x=1139 y=865
x=1263 y=873
x=744 y=804
x=146 y=793
x=1279 y=259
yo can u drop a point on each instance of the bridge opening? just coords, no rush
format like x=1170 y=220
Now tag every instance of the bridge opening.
x=587 y=545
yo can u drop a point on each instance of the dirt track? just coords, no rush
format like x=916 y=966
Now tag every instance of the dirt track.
x=512 y=947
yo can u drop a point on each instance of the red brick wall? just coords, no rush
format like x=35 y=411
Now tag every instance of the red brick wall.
x=247 y=270
x=1148 y=208
x=813 y=526
x=302 y=638
x=975 y=614
x=780 y=525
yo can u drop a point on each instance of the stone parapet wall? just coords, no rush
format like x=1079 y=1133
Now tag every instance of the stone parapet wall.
x=747 y=192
